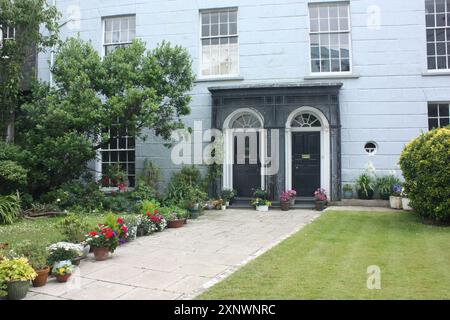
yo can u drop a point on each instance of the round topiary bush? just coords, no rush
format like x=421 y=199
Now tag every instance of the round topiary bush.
x=425 y=163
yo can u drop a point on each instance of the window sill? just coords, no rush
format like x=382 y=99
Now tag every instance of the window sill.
x=432 y=73
x=214 y=79
x=331 y=76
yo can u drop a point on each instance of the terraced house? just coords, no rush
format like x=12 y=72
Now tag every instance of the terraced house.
x=346 y=83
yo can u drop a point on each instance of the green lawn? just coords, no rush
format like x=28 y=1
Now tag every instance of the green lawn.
x=328 y=259
x=42 y=229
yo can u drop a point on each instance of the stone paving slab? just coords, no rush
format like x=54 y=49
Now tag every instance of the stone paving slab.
x=179 y=263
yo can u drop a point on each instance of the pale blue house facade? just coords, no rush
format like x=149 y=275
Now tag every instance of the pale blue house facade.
x=346 y=83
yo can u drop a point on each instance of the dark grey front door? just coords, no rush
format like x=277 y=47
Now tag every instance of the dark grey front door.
x=305 y=163
x=246 y=164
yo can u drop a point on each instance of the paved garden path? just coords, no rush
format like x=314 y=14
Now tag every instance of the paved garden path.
x=179 y=263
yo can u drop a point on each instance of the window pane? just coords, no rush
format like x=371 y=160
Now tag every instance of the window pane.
x=323 y=25
x=314 y=12
x=432 y=63
x=205 y=31
x=325 y=65
x=440 y=48
x=233 y=28
x=430 y=35
x=315 y=65
x=335 y=65
x=430 y=20
x=431 y=49
x=223 y=29
x=323 y=12
x=108 y=25
x=343 y=11
x=443 y=110
x=314 y=25
x=224 y=17
x=442 y=62
x=114 y=156
x=214 y=17
x=233 y=16
x=440 y=5
x=343 y=23
x=345 y=65
x=333 y=12
x=432 y=110
x=214 y=30
x=433 y=123
x=443 y=122
x=440 y=20
x=429 y=6
x=315 y=52
x=205 y=18
x=122 y=156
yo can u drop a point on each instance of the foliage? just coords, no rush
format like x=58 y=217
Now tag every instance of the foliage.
x=36 y=27
x=17 y=269
x=83 y=192
x=150 y=175
x=259 y=193
x=132 y=222
x=36 y=253
x=74 y=228
x=119 y=202
x=347 y=188
x=9 y=209
x=103 y=237
x=149 y=206
x=385 y=184
x=153 y=221
x=62 y=268
x=144 y=192
x=114 y=176
x=320 y=195
x=62 y=252
x=12 y=175
x=396 y=190
x=227 y=194
x=425 y=163
x=365 y=184
x=173 y=213
x=184 y=187
x=111 y=221
x=63 y=125
x=261 y=202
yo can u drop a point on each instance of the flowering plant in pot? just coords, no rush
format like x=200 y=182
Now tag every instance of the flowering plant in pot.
x=320 y=197
x=395 y=199
x=103 y=240
x=132 y=222
x=175 y=217
x=292 y=194
x=261 y=204
x=62 y=251
x=63 y=270
x=37 y=255
x=157 y=220
x=16 y=273
x=123 y=230
x=285 y=201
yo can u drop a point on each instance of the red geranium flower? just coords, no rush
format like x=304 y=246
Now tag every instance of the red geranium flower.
x=108 y=234
x=155 y=211
x=120 y=220
x=93 y=233
x=124 y=228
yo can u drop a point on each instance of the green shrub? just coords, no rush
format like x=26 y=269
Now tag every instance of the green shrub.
x=384 y=185
x=144 y=192
x=365 y=186
x=36 y=253
x=13 y=176
x=150 y=175
x=9 y=209
x=425 y=163
x=74 y=228
x=119 y=202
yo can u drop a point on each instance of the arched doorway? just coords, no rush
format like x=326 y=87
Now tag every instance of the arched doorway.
x=307 y=151
x=244 y=152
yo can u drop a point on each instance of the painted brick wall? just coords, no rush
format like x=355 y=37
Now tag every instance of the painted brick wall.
x=386 y=102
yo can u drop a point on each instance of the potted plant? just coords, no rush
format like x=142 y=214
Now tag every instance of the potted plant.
x=261 y=204
x=292 y=194
x=261 y=194
x=37 y=255
x=63 y=270
x=218 y=204
x=16 y=274
x=227 y=196
x=365 y=186
x=285 y=200
x=157 y=220
x=62 y=251
x=104 y=240
x=395 y=199
x=175 y=218
x=74 y=229
x=348 y=191
x=384 y=185
x=320 y=197
x=405 y=201
x=132 y=222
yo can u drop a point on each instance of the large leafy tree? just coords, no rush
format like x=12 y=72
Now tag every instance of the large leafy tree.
x=65 y=124
x=35 y=25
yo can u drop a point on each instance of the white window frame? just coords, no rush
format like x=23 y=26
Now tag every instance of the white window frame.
x=447 y=52
x=99 y=160
x=123 y=43
x=8 y=35
x=350 y=55
x=218 y=76
x=438 y=117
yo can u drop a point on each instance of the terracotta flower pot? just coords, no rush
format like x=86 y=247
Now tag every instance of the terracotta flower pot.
x=76 y=261
x=285 y=205
x=101 y=254
x=42 y=276
x=62 y=278
x=175 y=223
x=17 y=290
x=320 y=205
